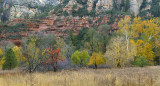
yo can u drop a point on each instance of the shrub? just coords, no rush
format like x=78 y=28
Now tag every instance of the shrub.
x=141 y=62
x=10 y=60
x=80 y=58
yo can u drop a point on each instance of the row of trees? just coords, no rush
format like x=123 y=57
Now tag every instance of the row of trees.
x=136 y=43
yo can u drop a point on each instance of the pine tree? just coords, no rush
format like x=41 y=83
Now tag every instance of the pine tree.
x=144 y=4
x=10 y=60
x=115 y=4
x=127 y=6
x=122 y=5
x=155 y=8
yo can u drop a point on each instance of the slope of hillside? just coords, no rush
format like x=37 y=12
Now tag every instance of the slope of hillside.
x=59 y=16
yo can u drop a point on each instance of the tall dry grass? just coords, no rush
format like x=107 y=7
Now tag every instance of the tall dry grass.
x=148 y=76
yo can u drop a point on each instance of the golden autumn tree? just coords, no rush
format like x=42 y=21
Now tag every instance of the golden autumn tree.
x=18 y=53
x=145 y=51
x=125 y=29
x=2 y=59
x=117 y=53
x=97 y=59
x=144 y=32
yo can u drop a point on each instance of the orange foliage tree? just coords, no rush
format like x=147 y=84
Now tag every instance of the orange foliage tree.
x=54 y=57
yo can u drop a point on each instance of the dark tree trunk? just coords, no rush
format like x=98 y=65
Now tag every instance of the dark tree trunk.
x=96 y=66
x=55 y=67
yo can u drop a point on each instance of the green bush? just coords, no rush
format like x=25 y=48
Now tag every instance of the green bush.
x=10 y=60
x=141 y=62
x=80 y=58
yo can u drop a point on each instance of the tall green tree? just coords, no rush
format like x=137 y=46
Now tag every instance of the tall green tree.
x=115 y=4
x=155 y=8
x=122 y=6
x=127 y=6
x=10 y=60
x=144 y=4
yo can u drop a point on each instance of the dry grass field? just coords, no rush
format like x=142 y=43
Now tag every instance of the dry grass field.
x=148 y=76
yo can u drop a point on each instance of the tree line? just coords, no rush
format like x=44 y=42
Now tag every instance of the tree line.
x=135 y=44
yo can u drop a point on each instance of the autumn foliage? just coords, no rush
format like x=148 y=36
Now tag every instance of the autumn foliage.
x=97 y=59
x=54 y=57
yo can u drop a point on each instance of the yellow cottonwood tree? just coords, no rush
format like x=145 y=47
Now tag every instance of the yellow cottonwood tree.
x=125 y=29
x=117 y=54
x=145 y=51
x=147 y=33
x=144 y=32
x=97 y=59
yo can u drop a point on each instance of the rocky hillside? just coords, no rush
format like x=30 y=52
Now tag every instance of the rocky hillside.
x=60 y=16
x=60 y=26
x=13 y=9
x=134 y=6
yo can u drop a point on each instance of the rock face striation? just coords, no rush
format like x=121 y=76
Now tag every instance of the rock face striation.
x=28 y=8
x=105 y=5
x=18 y=11
x=23 y=8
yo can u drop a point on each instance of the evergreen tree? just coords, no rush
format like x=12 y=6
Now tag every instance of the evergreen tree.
x=144 y=4
x=122 y=5
x=115 y=4
x=155 y=8
x=10 y=60
x=127 y=6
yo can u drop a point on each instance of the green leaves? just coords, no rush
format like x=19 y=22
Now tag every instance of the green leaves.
x=141 y=62
x=80 y=58
x=10 y=60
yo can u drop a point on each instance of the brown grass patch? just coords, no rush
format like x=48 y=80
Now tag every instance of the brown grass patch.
x=148 y=76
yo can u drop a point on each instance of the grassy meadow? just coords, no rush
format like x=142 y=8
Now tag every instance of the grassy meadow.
x=147 y=76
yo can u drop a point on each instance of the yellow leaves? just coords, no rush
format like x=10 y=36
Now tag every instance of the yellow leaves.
x=145 y=32
x=117 y=52
x=139 y=42
x=132 y=41
x=124 y=24
x=148 y=53
x=145 y=50
x=2 y=61
x=1 y=52
x=97 y=59
x=18 y=53
x=137 y=20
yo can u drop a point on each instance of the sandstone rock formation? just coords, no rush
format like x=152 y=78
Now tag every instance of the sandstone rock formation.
x=18 y=11
x=21 y=8
x=103 y=5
